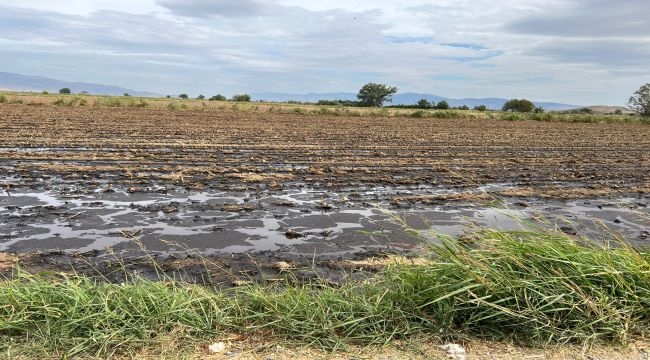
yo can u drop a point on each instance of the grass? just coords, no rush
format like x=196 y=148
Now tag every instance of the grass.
x=303 y=109
x=529 y=287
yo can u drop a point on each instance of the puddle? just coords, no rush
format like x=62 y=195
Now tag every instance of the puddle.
x=303 y=221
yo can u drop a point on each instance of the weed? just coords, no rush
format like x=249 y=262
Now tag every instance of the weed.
x=3 y=99
x=108 y=101
x=139 y=103
x=419 y=114
x=512 y=116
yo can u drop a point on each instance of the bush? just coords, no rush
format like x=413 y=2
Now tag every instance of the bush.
x=183 y=96
x=241 y=97
x=65 y=91
x=442 y=105
x=480 y=108
x=3 y=99
x=201 y=97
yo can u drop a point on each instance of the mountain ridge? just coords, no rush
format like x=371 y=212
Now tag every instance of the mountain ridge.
x=18 y=82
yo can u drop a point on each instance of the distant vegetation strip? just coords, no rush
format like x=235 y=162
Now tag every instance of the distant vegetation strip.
x=528 y=287
x=330 y=108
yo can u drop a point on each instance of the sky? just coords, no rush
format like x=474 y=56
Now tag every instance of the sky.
x=583 y=52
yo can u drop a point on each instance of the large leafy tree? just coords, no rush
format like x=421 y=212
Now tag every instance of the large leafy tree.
x=640 y=100
x=372 y=94
x=518 y=105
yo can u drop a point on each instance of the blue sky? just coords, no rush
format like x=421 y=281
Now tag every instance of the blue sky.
x=581 y=52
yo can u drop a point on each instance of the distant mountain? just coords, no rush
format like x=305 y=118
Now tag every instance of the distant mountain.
x=405 y=99
x=11 y=81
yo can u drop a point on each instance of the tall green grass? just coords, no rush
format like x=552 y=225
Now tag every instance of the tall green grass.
x=529 y=287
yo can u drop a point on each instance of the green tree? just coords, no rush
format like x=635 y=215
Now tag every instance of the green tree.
x=372 y=94
x=424 y=104
x=200 y=97
x=217 y=97
x=442 y=105
x=65 y=91
x=183 y=96
x=241 y=97
x=518 y=105
x=480 y=107
x=640 y=100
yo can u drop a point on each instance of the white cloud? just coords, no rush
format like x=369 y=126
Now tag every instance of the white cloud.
x=591 y=51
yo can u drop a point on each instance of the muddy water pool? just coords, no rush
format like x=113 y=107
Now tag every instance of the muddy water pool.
x=300 y=221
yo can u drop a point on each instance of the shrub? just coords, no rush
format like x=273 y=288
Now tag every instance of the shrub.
x=3 y=99
x=442 y=105
x=480 y=107
x=217 y=97
x=183 y=96
x=65 y=91
x=424 y=104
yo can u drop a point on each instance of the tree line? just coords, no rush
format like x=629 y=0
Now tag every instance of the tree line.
x=375 y=95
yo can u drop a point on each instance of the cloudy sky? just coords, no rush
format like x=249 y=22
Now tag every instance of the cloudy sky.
x=573 y=51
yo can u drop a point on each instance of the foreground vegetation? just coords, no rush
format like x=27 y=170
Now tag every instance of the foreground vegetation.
x=529 y=287
x=94 y=101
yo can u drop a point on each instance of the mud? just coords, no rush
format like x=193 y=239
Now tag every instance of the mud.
x=110 y=188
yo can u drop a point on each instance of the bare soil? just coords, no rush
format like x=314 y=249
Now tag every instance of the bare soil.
x=201 y=149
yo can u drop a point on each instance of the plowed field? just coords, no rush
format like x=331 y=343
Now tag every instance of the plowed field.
x=202 y=149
